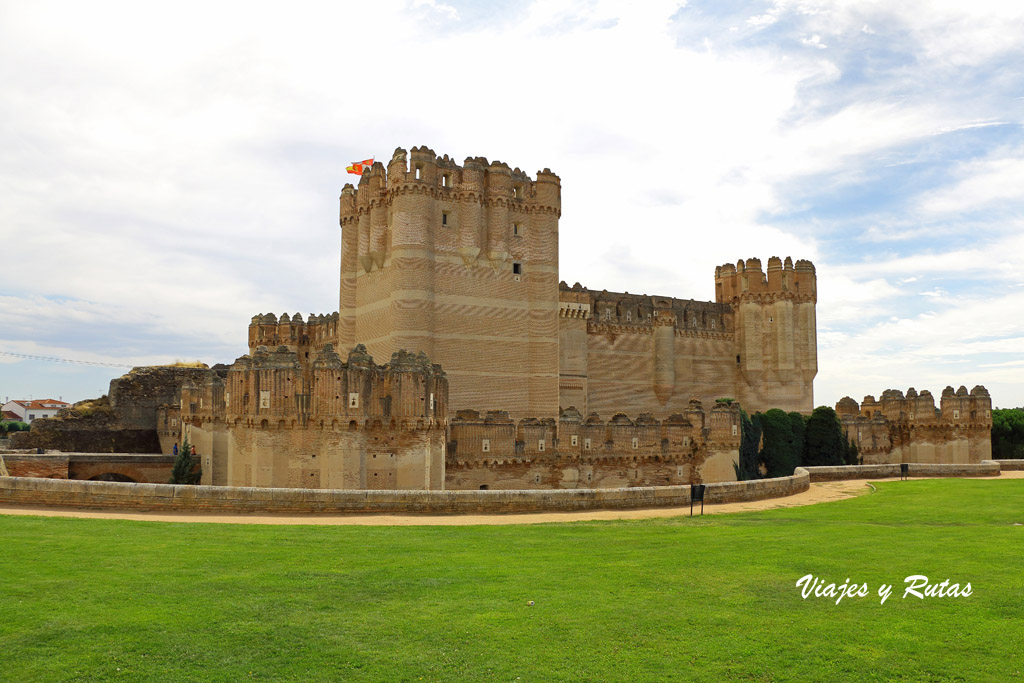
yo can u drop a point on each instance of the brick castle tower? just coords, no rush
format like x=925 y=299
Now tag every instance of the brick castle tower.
x=462 y=264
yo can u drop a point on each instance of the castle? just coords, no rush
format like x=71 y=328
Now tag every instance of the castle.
x=459 y=265
x=499 y=376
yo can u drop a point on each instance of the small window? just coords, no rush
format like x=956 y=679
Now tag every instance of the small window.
x=419 y=172
x=485 y=445
x=540 y=445
x=353 y=400
x=264 y=399
x=737 y=359
x=686 y=441
x=431 y=401
x=444 y=181
x=575 y=440
x=517 y=230
x=517 y=191
x=444 y=218
x=636 y=442
x=956 y=414
x=771 y=319
x=734 y=430
x=517 y=268
x=911 y=416
x=629 y=316
x=586 y=444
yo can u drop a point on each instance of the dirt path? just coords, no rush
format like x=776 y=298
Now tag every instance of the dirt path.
x=817 y=493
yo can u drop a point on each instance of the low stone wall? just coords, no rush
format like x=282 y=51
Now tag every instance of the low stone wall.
x=986 y=468
x=1011 y=465
x=164 y=497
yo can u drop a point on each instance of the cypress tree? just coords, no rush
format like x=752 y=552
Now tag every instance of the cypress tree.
x=823 y=439
x=750 y=436
x=182 y=472
x=779 y=452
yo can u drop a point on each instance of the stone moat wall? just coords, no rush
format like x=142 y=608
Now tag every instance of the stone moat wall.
x=230 y=499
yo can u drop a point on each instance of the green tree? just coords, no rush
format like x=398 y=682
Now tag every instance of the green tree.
x=750 y=437
x=852 y=453
x=186 y=468
x=798 y=423
x=1008 y=433
x=823 y=439
x=780 y=450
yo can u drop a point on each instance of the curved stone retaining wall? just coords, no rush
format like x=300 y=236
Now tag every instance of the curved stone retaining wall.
x=1009 y=465
x=986 y=468
x=164 y=497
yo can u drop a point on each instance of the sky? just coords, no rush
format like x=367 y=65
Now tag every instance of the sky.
x=169 y=170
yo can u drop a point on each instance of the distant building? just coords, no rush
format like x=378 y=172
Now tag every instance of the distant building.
x=27 y=411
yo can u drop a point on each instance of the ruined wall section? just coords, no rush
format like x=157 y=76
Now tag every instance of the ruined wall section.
x=130 y=419
x=909 y=428
x=775 y=342
x=622 y=352
x=461 y=263
x=281 y=419
x=490 y=450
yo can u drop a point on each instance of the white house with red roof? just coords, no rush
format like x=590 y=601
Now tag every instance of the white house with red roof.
x=26 y=411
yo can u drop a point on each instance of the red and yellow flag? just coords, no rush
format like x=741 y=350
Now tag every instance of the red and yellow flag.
x=360 y=167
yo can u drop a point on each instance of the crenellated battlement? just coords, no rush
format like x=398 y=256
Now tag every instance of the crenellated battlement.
x=280 y=388
x=292 y=331
x=909 y=428
x=492 y=436
x=590 y=451
x=421 y=171
x=747 y=281
x=958 y=407
x=643 y=311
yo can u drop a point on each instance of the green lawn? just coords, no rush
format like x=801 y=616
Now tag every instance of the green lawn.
x=710 y=598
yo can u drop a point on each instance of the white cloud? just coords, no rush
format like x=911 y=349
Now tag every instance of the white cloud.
x=183 y=173
x=983 y=182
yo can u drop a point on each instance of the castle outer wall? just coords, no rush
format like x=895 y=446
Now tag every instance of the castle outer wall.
x=281 y=419
x=910 y=429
